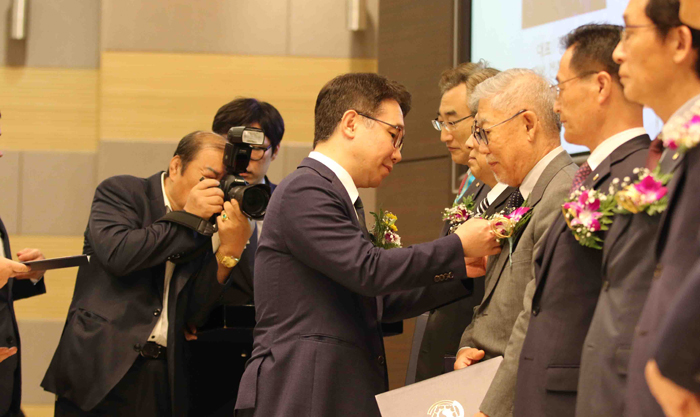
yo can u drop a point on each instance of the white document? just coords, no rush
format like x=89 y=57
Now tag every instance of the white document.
x=454 y=394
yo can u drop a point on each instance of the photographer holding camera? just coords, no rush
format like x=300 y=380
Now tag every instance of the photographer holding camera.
x=122 y=351
x=217 y=366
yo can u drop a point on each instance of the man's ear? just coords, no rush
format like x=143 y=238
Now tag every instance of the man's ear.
x=682 y=40
x=530 y=119
x=349 y=124
x=175 y=166
x=604 y=83
x=275 y=151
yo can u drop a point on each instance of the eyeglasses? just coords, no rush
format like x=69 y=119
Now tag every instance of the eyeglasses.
x=626 y=30
x=556 y=87
x=258 y=153
x=448 y=126
x=480 y=133
x=396 y=138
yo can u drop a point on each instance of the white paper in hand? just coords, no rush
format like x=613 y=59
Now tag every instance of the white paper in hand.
x=455 y=394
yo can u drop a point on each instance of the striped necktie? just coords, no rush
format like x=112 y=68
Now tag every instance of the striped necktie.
x=483 y=205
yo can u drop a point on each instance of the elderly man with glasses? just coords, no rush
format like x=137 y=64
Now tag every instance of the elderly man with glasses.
x=570 y=270
x=519 y=132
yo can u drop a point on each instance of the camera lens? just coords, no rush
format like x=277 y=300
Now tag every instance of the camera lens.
x=255 y=201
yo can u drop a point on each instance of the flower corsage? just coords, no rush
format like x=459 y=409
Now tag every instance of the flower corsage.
x=683 y=133
x=385 y=231
x=647 y=194
x=587 y=212
x=506 y=227
x=459 y=213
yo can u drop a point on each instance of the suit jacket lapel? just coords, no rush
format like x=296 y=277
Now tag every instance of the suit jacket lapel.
x=500 y=202
x=678 y=170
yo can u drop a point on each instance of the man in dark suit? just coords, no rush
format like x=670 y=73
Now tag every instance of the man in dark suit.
x=16 y=282
x=216 y=365
x=519 y=132
x=659 y=68
x=446 y=324
x=322 y=288
x=595 y=114
x=122 y=348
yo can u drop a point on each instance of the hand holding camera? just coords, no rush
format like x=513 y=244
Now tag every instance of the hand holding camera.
x=206 y=199
x=235 y=229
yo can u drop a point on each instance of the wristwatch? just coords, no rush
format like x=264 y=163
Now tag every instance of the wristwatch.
x=227 y=261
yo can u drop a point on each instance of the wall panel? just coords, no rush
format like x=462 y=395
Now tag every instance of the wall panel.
x=157 y=96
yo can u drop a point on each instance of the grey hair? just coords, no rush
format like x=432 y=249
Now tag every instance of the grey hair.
x=516 y=89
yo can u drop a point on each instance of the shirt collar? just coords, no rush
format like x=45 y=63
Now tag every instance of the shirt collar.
x=339 y=172
x=165 y=196
x=609 y=145
x=685 y=108
x=533 y=176
x=495 y=192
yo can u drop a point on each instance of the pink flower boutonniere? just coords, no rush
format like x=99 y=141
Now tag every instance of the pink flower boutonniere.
x=459 y=213
x=683 y=133
x=506 y=227
x=587 y=212
x=647 y=194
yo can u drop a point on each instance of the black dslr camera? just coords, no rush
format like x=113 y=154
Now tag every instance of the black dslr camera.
x=252 y=199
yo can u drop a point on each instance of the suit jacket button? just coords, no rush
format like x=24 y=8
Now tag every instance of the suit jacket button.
x=606 y=285
x=658 y=270
x=381 y=360
x=535 y=310
x=157 y=312
x=137 y=347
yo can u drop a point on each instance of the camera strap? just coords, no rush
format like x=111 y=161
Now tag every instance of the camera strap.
x=191 y=221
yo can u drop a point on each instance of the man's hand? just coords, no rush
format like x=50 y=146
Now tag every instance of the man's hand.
x=9 y=269
x=7 y=352
x=467 y=357
x=476 y=267
x=27 y=255
x=675 y=400
x=190 y=332
x=205 y=199
x=235 y=231
x=477 y=238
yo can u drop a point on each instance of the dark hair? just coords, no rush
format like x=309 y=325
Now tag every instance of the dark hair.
x=593 y=47
x=246 y=111
x=363 y=92
x=664 y=15
x=190 y=145
x=468 y=73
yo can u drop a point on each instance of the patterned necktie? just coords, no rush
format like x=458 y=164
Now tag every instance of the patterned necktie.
x=583 y=172
x=515 y=200
x=655 y=150
x=361 y=215
x=483 y=205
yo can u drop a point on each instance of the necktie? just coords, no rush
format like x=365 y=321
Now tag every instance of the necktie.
x=583 y=172
x=515 y=200
x=361 y=215
x=481 y=208
x=655 y=150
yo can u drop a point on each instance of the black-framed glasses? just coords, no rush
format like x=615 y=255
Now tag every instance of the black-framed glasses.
x=626 y=30
x=557 y=87
x=396 y=138
x=258 y=152
x=448 y=126
x=481 y=133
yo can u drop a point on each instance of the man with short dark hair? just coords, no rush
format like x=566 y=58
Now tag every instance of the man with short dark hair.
x=659 y=67
x=594 y=113
x=122 y=351
x=217 y=365
x=322 y=289
x=445 y=325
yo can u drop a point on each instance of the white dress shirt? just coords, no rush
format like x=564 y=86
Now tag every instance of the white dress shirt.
x=531 y=178
x=610 y=144
x=495 y=192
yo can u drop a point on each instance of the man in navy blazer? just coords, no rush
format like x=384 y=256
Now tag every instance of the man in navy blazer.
x=659 y=67
x=322 y=288
x=122 y=351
